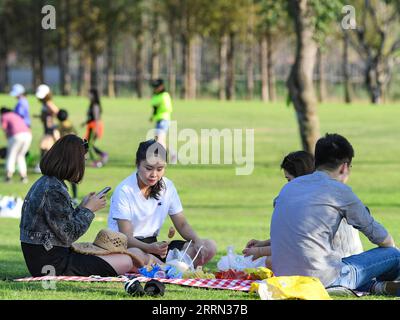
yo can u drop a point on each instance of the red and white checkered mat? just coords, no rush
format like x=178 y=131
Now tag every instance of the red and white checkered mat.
x=222 y=284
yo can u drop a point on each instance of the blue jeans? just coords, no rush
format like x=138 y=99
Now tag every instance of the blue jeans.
x=162 y=126
x=361 y=271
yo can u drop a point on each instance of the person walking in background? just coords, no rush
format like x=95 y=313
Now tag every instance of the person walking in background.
x=95 y=130
x=65 y=127
x=162 y=109
x=47 y=116
x=19 y=138
x=22 y=106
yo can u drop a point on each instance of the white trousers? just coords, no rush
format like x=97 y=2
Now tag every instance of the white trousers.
x=18 y=146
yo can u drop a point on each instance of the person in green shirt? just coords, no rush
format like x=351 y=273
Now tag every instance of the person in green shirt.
x=162 y=109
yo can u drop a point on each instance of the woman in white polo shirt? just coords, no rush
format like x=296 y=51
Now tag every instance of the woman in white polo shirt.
x=141 y=203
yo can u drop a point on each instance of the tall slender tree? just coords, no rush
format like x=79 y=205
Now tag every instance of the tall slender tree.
x=272 y=21
x=311 y=20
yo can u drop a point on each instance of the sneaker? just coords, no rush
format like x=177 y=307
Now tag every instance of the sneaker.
x=7 y=180
x=104 y=158
x=97 y=164
x=24 y=180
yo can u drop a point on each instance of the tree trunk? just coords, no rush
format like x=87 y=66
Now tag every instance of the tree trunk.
x=155 y=49
x=230 y=81
x=172 y=66
x=250 y=70
x=3 y=56
x=184 y=48
x=139 y=65
x=64 y=42
x=373 y=79
x=37 y=43
x=190 y=68
x=3 y=71
x=264 y=69
x=223 y=66
x=270 y=68
x=346 y=74
x=300 y=82
x=321 y=77
x=84 y=74
x=110 y=78
x=94 y=72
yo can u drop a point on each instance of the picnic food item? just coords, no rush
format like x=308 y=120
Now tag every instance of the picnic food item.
x=171 y=232
x=179 y=265
x=233 y=274
x=259 y=273
x=160 y=271
x=199 y=273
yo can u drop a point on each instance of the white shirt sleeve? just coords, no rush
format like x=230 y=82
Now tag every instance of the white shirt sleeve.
x=175 y=206
x=119 y=207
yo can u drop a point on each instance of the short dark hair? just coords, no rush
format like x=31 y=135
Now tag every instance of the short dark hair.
x=146 y=150
x=65 y=160
x=333 y=150
x=298 y=163
x=62 y=115
x=156 y=83
x=4 y=110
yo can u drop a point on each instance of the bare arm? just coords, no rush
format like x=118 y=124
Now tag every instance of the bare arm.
x=184 y=228
x=158 y=248
x=53 y=108
x=125 y=227
x=388 y=242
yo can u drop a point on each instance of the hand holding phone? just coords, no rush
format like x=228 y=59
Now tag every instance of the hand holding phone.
x=103 y=192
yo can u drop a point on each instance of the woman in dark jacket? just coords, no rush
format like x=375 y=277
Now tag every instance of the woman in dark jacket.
x=50 y=223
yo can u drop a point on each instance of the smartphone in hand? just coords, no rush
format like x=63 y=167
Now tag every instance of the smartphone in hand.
x=103 y=192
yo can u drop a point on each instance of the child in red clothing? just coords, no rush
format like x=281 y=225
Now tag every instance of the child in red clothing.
x=95 y=129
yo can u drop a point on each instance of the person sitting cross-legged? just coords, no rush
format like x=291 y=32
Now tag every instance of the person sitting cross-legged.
x=141 y=203
x=307 y=214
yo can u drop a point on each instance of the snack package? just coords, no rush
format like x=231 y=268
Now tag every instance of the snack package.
x=259 y=273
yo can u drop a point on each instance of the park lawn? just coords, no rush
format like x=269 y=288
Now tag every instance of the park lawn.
x=219 y=204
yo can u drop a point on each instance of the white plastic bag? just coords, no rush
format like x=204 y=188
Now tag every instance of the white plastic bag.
x=238 y=262
x=180 y=260
x=10 y=207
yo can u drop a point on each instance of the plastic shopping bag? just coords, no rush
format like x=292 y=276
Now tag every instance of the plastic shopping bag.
x=10 y=207
x=294 y=287
x=233 y=261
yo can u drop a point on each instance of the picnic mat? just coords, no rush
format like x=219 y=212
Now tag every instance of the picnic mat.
x=222 y=284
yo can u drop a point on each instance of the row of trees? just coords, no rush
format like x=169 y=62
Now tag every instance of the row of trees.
x=171 y=30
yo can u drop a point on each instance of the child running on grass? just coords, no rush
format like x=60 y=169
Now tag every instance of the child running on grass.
x=95 y=130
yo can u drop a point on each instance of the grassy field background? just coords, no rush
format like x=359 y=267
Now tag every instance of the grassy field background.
x=219 y=204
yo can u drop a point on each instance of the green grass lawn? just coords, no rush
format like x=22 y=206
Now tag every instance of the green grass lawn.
x=219 y=204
